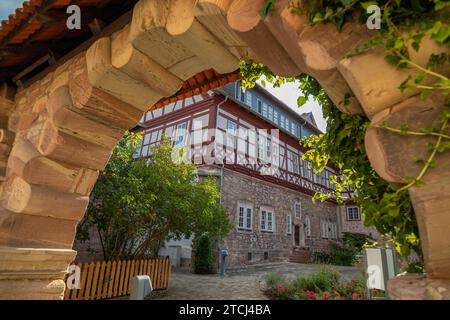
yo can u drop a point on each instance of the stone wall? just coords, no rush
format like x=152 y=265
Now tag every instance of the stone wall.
x=238 y=188
x=355 y=226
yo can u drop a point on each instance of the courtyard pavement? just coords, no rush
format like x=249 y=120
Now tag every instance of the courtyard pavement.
x=237 y=284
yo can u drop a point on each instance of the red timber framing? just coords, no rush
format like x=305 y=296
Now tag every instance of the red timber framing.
x=169 y=118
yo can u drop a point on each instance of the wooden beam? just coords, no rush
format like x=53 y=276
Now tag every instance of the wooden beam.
x=96 y=26
x=23 y=48
x=107 y=31
x=30 y=68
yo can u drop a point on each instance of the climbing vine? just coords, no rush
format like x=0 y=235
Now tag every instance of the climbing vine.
x=403 y=26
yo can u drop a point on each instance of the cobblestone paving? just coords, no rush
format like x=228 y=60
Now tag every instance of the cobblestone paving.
x=238 y=284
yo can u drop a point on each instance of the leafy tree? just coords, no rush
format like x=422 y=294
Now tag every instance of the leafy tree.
x=403 y=23
x=137 y=204
x=203 y=257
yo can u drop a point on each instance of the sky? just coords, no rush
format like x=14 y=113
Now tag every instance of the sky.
x=9 y=6
x=288 y=93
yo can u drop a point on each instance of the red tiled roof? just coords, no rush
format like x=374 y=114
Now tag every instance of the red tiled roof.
x=39 y=26
x=200 y=83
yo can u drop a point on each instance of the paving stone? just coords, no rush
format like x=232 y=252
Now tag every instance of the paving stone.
x=238 y=284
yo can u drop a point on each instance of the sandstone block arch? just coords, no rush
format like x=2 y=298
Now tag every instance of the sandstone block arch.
x=57 y=134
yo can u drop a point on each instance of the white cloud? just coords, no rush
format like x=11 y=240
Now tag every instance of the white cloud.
x=288 y=93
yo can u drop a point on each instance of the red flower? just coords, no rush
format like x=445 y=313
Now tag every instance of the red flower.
x=281 y=288
x=325 y=295
x=311 y=294
x=355 y=295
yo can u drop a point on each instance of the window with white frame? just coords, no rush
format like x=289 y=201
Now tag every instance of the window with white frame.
x=264 y=148
x=288 y=125
x=239 y=94
x=180 y=135
x=289 y=224
x=259 y=106
x=268 y=150
x=298 y=210
x=137 y=152
x=328 y=230
x=293 y=128
x=323 y=230
x=275 y=153
x=293 y=165
x=307 y=169
x=270 y=113
x=282 y=121
x=248 y=98
x=275 y=116
x=244 y=219
x=333 y=227
x=264 y=113
x=353 y=214
x=231 y=134
x=267 y=220
x=308 y=227
x=237 y=91
x=290 y=164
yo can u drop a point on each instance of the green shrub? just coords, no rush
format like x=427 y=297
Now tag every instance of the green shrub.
x=321 y=257
x=343 y=254
x=324 y=280
x=347 y=288
x=326 y=284
x=415 y=267
x=203 y=257
x=274 y=279
x=356 y=240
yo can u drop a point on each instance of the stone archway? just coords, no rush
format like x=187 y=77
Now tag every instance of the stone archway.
x=61 y=130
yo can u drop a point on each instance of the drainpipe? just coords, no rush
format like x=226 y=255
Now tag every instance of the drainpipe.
x=221 y=172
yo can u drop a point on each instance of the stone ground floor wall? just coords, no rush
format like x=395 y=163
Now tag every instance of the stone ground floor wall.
x=256 y=246
x=355 y=226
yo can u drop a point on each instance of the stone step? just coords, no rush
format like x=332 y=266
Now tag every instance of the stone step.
x=300 y=256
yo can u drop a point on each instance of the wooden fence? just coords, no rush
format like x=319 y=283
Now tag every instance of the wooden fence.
x=104 y=280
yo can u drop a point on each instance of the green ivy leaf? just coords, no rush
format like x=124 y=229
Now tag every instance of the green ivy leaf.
x=267 y=6
x=301 y=100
